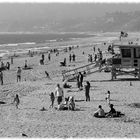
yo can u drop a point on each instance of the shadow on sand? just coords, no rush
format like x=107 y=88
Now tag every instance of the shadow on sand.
x=120 y=79
x=1 y=102
x=79 y=100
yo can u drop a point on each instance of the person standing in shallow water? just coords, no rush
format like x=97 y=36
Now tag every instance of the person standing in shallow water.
x=19 y=74
x=87 y=89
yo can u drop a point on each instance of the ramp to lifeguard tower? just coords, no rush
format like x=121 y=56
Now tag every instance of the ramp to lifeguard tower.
x=86 y=69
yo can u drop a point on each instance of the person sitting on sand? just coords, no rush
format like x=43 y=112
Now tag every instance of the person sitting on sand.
x=71 y=103
x=68 y=104
x=112 y=112
x=99 y=113
x=65 y=85
x=16 y=101
x=64 y=106
x=63 y=63
x=52 y=97
x=47 y=74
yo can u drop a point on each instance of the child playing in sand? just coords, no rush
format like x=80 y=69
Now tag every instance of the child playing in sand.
x=108 y=97
x=16 y=101
x=52 y=97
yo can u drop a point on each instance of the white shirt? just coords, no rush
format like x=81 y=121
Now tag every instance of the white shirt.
x=100 y=112
x=58 y=92
x=108 y=96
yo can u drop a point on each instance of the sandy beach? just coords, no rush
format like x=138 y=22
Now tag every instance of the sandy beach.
x=34 y=90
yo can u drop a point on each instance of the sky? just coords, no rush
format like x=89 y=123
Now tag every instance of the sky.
x=106 y=1
x=34 y=10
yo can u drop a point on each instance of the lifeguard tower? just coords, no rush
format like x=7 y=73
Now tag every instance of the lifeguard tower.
x=127 y=61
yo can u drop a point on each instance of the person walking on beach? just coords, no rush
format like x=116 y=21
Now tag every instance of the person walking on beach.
x=70 y=58
x=49 y=56
x=19 y=74
x=87 y=89
x=2 y=64
x=1 y=77
x=94 y=48
x=11 y=60
x=16 y=101
x=73 y=57
x=52 y=97
x=95 y=57
x=81 y=79
x=59 y=93
x=8 y=65
x=25 y=66
x=43 y=56
x=78 y=81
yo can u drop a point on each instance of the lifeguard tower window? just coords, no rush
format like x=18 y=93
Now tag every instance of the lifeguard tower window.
x=126 y=53
x=136 y=52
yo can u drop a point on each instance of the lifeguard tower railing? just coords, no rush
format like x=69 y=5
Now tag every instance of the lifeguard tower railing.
x=93 y=67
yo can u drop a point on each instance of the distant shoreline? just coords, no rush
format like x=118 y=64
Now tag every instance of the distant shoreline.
x=24 y=37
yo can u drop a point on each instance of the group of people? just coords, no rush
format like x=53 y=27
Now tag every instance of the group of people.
x=18 y=75
x=68 y=104
x=5 y=66
x=100 y=113
x=90 y=59
x=72 y=57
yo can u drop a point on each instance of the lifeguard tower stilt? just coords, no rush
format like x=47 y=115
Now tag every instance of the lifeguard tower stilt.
x=127 y=62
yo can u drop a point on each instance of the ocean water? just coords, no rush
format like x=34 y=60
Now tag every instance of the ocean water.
x=29 y=38
x=11 y=41
x=16 y=43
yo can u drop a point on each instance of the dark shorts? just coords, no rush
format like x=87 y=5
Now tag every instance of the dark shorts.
x=59 y=99
x=18 y=76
